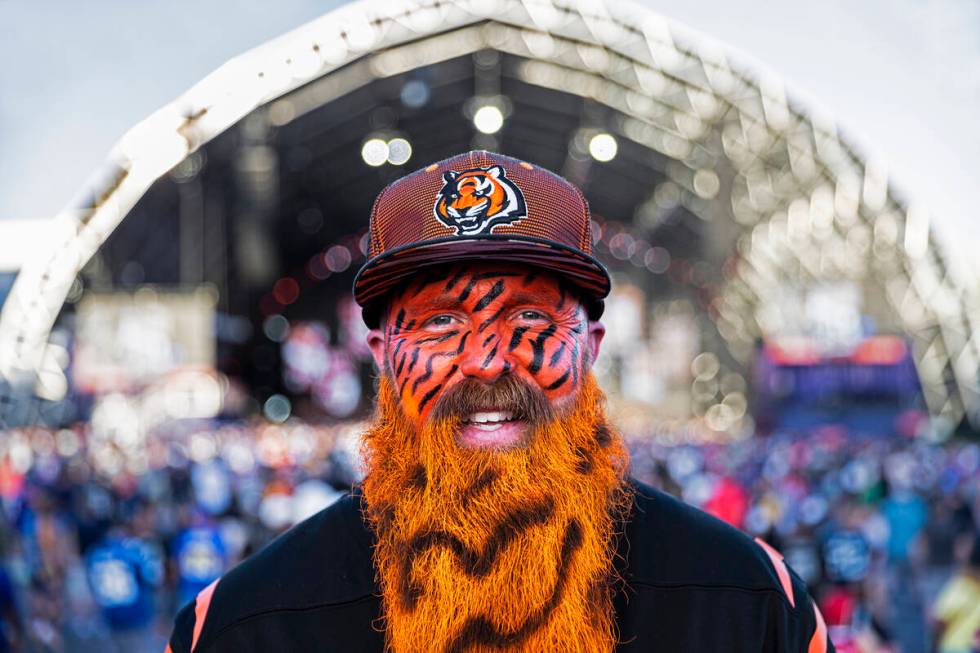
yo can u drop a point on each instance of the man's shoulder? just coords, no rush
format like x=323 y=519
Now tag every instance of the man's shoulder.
x=326 y=558
x=674 y=544
x=322 y=561
x=684 y=569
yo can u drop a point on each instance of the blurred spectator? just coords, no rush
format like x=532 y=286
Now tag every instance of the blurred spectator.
x=957 y=610
x=11 y=635
x=103 y=544
x=124 y=571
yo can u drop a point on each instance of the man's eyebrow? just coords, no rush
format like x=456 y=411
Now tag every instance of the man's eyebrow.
x=538 y=299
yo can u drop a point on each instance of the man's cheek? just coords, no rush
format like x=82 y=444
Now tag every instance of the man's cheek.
x=421 y=374
x=555 y=367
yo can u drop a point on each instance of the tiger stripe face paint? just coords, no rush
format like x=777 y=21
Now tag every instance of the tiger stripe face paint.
x=484 y=322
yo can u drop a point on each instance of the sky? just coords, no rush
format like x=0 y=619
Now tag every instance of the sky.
x=901 y=78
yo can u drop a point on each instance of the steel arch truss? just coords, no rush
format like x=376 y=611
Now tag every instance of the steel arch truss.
x=804 y=205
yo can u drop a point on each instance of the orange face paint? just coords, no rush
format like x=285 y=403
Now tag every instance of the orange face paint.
x=483 y=322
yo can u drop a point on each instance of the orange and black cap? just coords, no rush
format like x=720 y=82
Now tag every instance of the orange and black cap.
x=479 y=206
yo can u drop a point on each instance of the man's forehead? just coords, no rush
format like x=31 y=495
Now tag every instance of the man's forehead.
x=459 y=283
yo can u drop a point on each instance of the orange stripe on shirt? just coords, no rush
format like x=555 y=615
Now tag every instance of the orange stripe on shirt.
x=781 y=570
x=201 y=605
x=818 y=643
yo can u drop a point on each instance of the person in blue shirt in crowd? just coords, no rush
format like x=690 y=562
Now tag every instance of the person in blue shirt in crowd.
x=124 y=572
x=201 y=558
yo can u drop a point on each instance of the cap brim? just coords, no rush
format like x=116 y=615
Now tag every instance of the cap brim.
x=381 y=274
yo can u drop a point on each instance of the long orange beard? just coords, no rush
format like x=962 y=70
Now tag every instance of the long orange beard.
x=489 y=551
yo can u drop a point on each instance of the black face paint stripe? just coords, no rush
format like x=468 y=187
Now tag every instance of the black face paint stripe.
x=489 y=338
x=401 y=364
x=531 y=276
x=456 y=277
x=555 y=356
x=452 y=370
x=428 y=370
x=462 y=343
x=440 y=338
x=398 y=346
x=560 y=382
x=506 y=367
x=537 y=346
x=428 y=396
x=491 y=295
x=398 y=321
x=489 y=358
x=415 y=359
x=490 y=320
x=480 y=277
x=467 y=290
x=515 y=339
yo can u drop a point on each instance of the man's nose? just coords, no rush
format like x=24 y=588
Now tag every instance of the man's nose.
x=485 y=363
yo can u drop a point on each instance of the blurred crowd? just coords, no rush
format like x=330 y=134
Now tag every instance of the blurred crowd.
x=883 y=531
x=104 y=539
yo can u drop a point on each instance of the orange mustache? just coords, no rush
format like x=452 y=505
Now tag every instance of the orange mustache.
x=481 y=551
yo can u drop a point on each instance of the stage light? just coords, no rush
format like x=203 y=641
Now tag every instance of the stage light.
x=286 y=291
x=374 y=152
x=337 y=258
x=399 y=151
x=275 y=328
x=603 y=147
x=277 y=408
x=415 y=93
x=488 y=119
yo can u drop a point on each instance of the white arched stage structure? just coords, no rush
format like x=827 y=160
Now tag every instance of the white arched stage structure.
x=792 y=201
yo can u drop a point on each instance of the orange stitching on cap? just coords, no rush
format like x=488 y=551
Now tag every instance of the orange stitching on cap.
x=432 y=167
x=525 y=164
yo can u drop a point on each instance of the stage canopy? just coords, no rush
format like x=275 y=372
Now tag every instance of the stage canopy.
x=709 y=184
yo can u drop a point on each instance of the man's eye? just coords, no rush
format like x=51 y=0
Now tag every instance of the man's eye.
x=531 y=315
x=441 y=320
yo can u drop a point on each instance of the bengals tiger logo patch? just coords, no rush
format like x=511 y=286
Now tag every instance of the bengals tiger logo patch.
x=477 y=200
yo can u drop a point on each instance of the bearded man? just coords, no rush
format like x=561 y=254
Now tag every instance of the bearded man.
x=496 y=513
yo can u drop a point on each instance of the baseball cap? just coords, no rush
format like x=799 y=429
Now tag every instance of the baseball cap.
x=479 y=206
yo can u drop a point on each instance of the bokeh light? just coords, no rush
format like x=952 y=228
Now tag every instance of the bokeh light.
x=603 y=147
x=374 y=152
x=488 y=119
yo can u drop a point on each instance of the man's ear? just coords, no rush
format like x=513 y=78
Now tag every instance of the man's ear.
x=376 y=341
x=596 y=331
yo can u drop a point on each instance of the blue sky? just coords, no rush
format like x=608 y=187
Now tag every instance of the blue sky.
x=902 y=78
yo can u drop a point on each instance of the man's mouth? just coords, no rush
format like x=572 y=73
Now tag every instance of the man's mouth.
x=497 y=429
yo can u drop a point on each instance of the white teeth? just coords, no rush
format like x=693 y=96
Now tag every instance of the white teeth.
x=484 y=418
x=489 y=427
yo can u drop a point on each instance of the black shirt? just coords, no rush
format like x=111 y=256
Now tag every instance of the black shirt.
x=693 y=583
